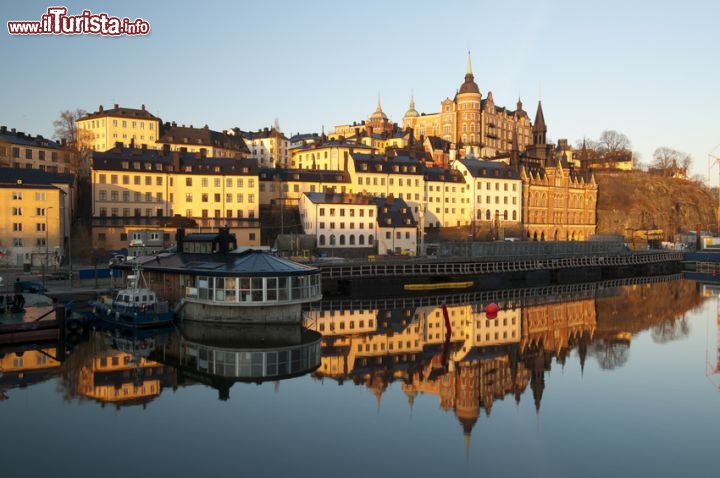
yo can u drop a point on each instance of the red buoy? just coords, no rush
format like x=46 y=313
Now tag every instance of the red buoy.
x=491 y=310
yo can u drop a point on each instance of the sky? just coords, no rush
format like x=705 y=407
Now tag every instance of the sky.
x=646 y=69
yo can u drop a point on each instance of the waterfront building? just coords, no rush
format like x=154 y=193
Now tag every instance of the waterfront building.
x=210 y=279
x=129 y=127
x=340 y=221
x=472 y=123
x=494 y=196
x=21 y=150
x=206 y=142
x=35 y=213
x=396 y=227
x=155 y=189
x=559 y=200
x=447 y=200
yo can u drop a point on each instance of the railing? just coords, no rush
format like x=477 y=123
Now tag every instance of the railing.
x=469 y=267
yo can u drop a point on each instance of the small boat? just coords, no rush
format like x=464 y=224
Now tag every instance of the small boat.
x=439 y=285
x=136 y=305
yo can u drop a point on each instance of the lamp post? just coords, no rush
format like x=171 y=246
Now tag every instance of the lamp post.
x=47 y=245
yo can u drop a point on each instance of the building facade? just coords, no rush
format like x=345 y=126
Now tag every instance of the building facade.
x=35 y=218
x=130 y=127
x=149 y=189
x=471 y=122
x=20 y=150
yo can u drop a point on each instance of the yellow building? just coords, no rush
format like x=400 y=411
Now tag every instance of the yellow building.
x=104 y=129
x=20 y=150
x=471 y=122
x=35 y=211
x=330 y=155
x=148 y=189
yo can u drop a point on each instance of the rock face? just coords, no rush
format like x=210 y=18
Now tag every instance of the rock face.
x=638 y=200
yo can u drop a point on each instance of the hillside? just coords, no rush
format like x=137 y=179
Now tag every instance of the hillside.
x=638 y=200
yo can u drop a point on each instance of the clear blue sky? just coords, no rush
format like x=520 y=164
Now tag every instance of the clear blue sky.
x=647 y=69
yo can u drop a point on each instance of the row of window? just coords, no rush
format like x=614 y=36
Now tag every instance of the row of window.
x=20 y=242
x=361 y=213
x=39 y=211
x=41 y=154
x=339 y=240
x=204 y=182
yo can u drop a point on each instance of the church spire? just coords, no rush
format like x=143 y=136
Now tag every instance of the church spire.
x=469 y=65
x=539 y=128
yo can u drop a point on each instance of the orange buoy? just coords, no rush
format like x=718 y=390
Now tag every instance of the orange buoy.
x=491 y=310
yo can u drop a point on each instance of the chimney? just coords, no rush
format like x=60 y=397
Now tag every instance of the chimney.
x=100 y=109
x=180 y=239
x=142 y=107
x=3 y=129
x=12 y=131
x=116 y=106
x=118 y=144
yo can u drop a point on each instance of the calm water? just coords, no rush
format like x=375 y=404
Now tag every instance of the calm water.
x=609 y=379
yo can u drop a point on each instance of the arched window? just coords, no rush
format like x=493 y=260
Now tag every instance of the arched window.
x=361 y=240
x=487 y=215
x=322 y=239
x=505 y=215
x=342 y=239
x=371 y=240
x=514 y=215
x=352 y=239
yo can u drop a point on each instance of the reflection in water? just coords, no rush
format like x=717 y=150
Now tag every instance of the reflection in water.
x=441 y=345
x=486 y=359
x=222 y=354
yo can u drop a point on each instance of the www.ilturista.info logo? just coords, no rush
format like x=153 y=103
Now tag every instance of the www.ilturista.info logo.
x=57 y=22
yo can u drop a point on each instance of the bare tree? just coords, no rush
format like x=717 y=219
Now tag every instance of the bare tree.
x=668 y=160
x=77 y=140
x=613 y=142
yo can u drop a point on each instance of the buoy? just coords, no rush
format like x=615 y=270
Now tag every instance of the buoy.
x=491 y=310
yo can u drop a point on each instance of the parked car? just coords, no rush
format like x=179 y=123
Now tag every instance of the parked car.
x=60 y=275
x=29 y=287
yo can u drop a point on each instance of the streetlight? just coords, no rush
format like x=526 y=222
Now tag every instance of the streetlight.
x=47 y=244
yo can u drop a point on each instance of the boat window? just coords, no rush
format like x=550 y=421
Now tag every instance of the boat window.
x=137 y=298
x=152 y=298
x=144 y=298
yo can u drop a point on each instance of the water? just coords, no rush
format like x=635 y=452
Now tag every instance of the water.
x=615 y=379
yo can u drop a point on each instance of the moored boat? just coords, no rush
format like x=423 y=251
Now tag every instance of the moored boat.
x=136 y=305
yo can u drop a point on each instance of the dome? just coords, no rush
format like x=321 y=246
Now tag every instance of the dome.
x=412 y=112
x=469 y=86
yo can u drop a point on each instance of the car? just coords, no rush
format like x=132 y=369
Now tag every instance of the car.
x=60 y=275
x=29 y=287
x=117 y=259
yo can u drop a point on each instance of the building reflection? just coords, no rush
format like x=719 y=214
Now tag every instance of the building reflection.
x=219 y=355
x=479 y=358
x=120 y=370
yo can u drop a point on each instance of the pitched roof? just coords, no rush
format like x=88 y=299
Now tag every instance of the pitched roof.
x=18 y=137
x=36 y=177
x=142 y=113
x=202 y=137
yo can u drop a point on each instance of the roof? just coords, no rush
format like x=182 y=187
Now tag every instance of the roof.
x=375 y=163
x=34 y=177
x=339 y=198
x=479 y=168
x=149 y=160
x=304 y=175
x=142 y=113
x=18 y=137
x=249 y=263
x=202 y=137
x=394 y=212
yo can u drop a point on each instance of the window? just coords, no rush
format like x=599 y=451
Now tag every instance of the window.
x=188 y=182
x=17 y=211
x=18 y=195
x=17 y=227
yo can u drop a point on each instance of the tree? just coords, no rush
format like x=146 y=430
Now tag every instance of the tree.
x=668 y=161
x=613 y=142
x=77 y=140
